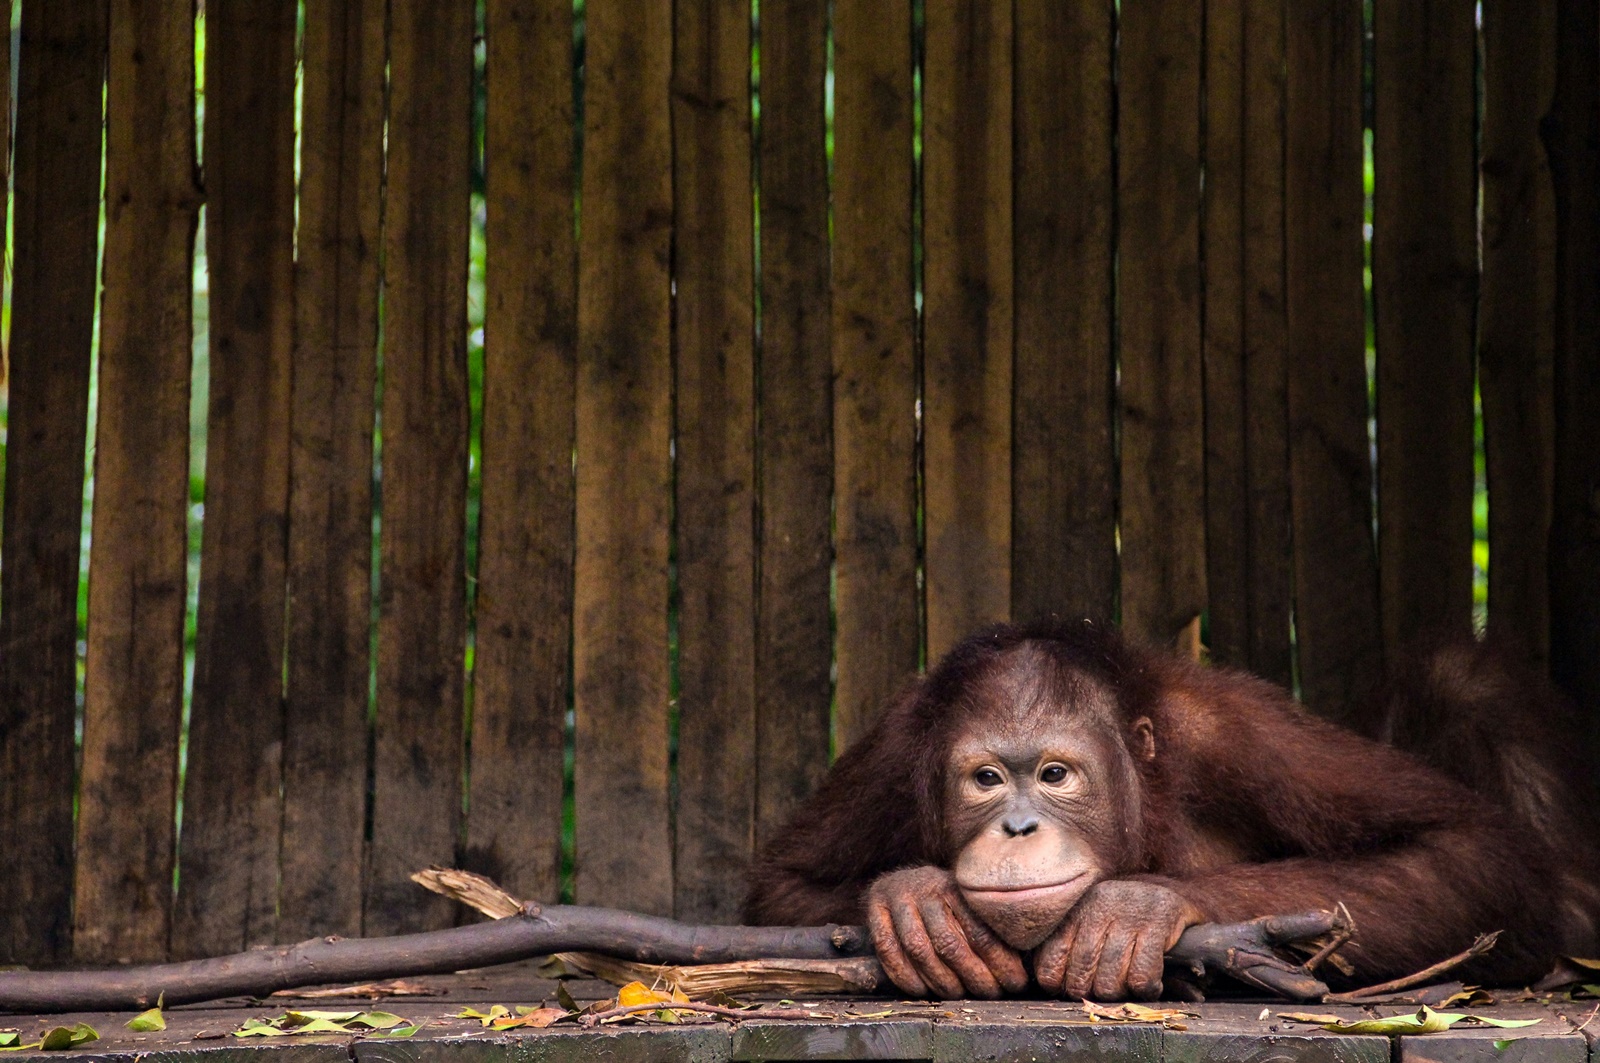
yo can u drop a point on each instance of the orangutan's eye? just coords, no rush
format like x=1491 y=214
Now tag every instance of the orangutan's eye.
x=1053 y=774
x=987 y=778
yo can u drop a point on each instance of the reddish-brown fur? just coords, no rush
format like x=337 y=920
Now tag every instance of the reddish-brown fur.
x=1253 y=806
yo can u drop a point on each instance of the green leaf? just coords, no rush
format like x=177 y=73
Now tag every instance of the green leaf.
x=259 y=1028
x=398 y=1031
x=148 y=1021
x=63 y=1037
x=298 y=1018
x=378 y=1020
x=1426 y=1020
x=484 y=1018
x=1504 y=1024
x=564 y=998
x=1501 y=1046
x=9 y=1038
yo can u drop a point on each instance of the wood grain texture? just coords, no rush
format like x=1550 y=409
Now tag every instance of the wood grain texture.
x=714 y=332
x=1248 y=575
x=228 y=857
x=134 y=685
x=1516 y=319
x=1063 y=525
x=1572 y=138
x=57 y=175
x=1424 y=288
x=794 y=636
x=1158 y=197
x=874 y=366
x=330 y=502
x=967 y=308
x=1338 y=637
x=522 y=674
x=624 y=424
x=422 y=585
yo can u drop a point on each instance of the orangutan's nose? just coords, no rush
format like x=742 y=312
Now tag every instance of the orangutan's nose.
x=1019 y=826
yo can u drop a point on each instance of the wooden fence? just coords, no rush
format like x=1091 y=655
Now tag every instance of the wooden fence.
x=947 y=329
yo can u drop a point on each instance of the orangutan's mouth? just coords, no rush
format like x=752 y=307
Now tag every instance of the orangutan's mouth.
x=1025 y=894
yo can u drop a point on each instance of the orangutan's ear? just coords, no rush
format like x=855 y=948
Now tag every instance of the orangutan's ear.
x=1144 y=739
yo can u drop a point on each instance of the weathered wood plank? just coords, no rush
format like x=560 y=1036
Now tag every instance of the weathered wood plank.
x=1227 y=385
x=1572 y=138
x=228 y=857
x=1516 y=318
x=1424 y=287
x=1063 y=531
x=521 y=678
x=1158 y=194
x=422 y=588
x=896 y=1039
x=991 y=1037
x=134 y=685
x=624 y=421
x=1246 y=401
x=330 y=504
x=1338 y=637
x=794 y=636
x=714 y=330
x=60 y=80
x=967 y=308
x=874 y=333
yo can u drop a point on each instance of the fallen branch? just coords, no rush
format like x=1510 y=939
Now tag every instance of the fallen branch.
x=533 y=932
x=1483 y=944
x=1243 y=950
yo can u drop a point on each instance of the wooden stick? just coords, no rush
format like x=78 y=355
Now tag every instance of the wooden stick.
x=532 y=932
x=1240 y=950
x=1336 y=940
x=1484 y=943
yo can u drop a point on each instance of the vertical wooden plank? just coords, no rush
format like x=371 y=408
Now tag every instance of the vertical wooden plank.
x=624 y=423
x=1246 y=414
x=330 y=501
x=1338 y=638
x=1424 y=287
x=794 y=636
x=134 y=687
x=60 y=80
x=967 y=309
x=1572 y=137
x=524 y=647
x=1226 y=387
x=874 y=332
x=1516 y=318
x=422 y=590
x=228 y=857
x=1158 y=196
x=1063 y=532
x=714 y=329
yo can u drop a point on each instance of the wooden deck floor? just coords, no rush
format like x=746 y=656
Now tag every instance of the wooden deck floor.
x=952 y=1031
